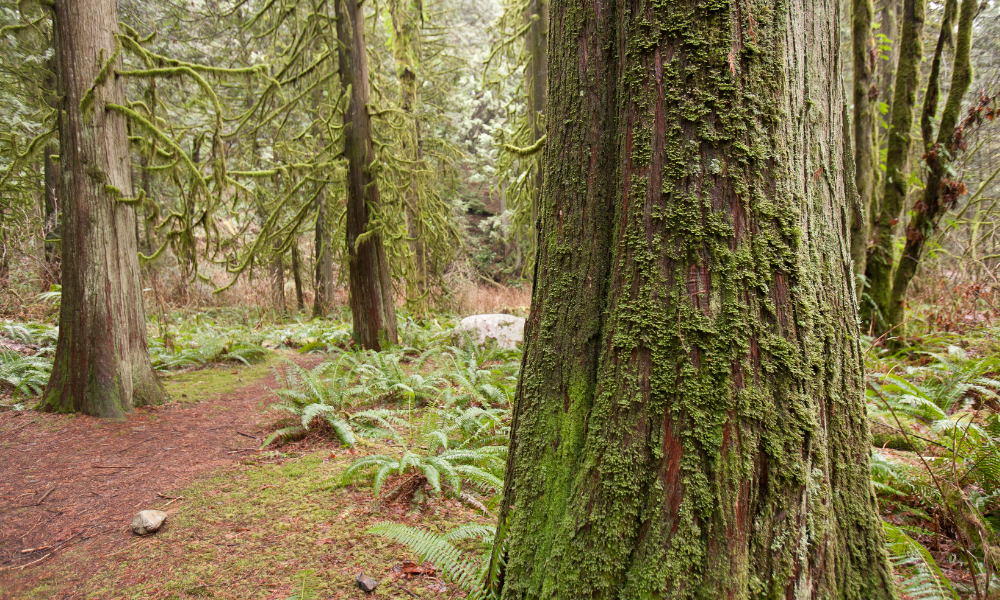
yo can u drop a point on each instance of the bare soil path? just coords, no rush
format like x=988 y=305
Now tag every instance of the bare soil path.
x=75 y=481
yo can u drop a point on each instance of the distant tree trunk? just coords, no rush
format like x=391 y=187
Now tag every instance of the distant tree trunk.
x=536 y=42
x=865 y=139
x=879 y=265
x=102 y=365
x=300 y=301
x=323 y=277
x=50 y=213
x=323 y=302
x=372 y=299
x=277 y=268
x=690 y=418
x=940 y=193
x=407 y=15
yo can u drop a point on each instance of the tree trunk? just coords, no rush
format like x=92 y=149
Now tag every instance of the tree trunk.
x=865 y=140
x=50 y=226
x=536 y=42
x=690 y=418
x=323 y=302
x=102 y=365
x=372 y=301
x=907 y=81
x=406 y=18
x=277 y=268
x=300 y=301
x=940 y=193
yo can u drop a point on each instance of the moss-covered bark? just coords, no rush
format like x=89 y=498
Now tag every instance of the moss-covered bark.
x=373 y=306
x=689 y=421
x=102 y=365
x=879 y=266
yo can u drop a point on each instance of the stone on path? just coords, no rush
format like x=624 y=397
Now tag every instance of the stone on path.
x=148 y=521
x=366 y=583
x=507 y=330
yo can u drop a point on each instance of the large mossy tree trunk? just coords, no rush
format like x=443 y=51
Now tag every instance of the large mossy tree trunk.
x=690 y=418
x=371 y=293
x=102 y=365
x=879 y=266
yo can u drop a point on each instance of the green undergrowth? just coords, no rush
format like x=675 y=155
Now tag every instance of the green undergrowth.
x=258 y=529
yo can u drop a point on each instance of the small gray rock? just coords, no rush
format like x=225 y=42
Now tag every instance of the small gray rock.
x=366 y=583
x=148 y=521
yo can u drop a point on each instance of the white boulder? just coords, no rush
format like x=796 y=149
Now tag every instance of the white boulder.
x=507 y=330
x=148 y=521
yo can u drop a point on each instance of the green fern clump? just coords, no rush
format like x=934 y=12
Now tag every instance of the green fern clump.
x=25 y=375
x=311 y=396
x=443 y=468
x=205 y=346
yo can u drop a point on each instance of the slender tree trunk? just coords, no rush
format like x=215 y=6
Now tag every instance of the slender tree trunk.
x=300 y=301
x=907 y=81
x=102 y=365
x=323 y=302
x=50 y=225
x=406 y=19
x=940 y=193
x=536 y=42
x=372 y=300
x=865 y=139
x=690 y=418
x=277 y=268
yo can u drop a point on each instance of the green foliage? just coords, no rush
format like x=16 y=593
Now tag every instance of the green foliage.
x=26 y=375
x=439 y=550
x=944 y=405
x=921 y=578
x=448 y=467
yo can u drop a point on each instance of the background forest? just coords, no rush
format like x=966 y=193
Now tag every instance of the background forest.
x=242 y=181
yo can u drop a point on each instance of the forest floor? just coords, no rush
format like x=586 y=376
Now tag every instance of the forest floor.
x=243 y=522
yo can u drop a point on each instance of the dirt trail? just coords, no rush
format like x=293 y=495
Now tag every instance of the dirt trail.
x=75 y=481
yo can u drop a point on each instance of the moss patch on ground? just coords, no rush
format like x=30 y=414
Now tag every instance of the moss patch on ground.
x=196 y=386
x=266 y=527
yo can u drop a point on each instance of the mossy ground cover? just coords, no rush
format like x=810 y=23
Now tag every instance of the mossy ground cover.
x=263 y=527
x=197 y=385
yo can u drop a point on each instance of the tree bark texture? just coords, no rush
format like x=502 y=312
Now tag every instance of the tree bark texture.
x=102 y=365
x=690 y=422
x=875 y=308
x=371 y=294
